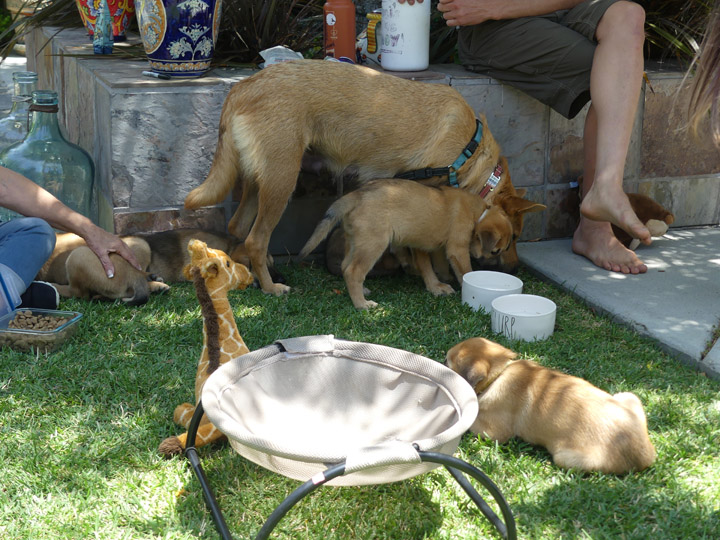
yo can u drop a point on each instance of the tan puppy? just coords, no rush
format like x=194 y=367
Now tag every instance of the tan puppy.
x=581 y=426
x=87 y=279
x=402 y=213
x=162 y=255
x=358 y=119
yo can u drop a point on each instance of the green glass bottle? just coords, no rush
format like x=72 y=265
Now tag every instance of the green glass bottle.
x=14 y=126
x=48 y=159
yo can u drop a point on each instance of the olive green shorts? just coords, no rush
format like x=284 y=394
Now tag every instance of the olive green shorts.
x=547 y=57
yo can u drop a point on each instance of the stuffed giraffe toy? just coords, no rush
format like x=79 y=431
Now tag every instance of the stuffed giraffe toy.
x=214 y=274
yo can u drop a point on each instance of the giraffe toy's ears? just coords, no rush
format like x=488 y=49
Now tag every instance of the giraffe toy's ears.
x=210 y=268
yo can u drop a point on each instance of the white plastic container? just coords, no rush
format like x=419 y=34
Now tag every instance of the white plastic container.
x=405 y=37
x=523 y=316
x=481 y=287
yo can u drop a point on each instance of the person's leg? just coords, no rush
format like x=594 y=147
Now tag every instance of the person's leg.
x=615 y=83
x=25 y=245
x=595 y=240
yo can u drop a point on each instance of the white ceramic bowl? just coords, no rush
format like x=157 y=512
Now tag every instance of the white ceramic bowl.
x=523 y=316
x=480 y=288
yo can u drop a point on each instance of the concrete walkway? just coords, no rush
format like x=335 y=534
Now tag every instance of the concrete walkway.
x=677 y=302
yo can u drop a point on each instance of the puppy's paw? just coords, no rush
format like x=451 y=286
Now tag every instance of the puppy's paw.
x=158 y=287
x=442 y=289
x=277 y=289
x=367 y=304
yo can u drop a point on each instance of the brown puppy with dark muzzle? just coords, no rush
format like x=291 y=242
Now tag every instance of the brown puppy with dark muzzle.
x=405 y=214
x=358 y=119
x=581 y=426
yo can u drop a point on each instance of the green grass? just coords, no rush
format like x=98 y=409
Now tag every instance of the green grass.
x=79 y=428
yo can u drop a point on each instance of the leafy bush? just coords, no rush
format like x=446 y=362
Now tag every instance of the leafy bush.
x=674 y=28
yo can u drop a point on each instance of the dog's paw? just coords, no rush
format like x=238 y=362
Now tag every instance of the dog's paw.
x=277 y=289
x=442 y=289
x=158 y=287
x=367 y=304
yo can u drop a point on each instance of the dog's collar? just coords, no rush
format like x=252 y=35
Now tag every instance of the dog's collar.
x=468 y=151
x=451 y=170
x=492 y=182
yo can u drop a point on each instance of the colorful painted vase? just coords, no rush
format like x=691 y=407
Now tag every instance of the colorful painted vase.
x=179 y=35
x=121 y=11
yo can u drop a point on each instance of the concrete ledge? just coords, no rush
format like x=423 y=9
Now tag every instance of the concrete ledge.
x=153 y=141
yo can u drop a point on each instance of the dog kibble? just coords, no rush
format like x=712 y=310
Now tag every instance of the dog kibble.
x=25 y=320
x=35 y=330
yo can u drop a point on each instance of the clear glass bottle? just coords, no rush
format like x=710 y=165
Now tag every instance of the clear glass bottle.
x=14 y=126
x=48 y=159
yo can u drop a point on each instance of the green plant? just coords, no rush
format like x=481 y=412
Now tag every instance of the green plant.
x=674 y=27
x=250 y=26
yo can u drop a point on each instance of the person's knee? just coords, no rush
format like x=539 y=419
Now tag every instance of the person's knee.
x=43 y=230
x=623 y=19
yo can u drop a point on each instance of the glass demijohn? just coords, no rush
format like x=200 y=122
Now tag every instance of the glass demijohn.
x=14 y=126
x=48 y=159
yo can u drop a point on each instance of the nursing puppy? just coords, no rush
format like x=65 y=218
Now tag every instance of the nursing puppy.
x=402 y=213
x=357 y=119
x=581 y=426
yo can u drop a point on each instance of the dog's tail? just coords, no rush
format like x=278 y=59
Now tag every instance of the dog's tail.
x=332 y=217
x=223 y=174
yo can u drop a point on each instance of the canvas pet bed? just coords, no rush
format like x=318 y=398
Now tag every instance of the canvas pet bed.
x=375 y=414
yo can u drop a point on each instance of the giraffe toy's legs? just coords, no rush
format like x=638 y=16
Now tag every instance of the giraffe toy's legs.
x=206 y=433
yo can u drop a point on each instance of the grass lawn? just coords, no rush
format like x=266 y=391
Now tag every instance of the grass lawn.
x=79 y=428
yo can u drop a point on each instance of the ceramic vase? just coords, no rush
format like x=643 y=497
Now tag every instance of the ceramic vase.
x=179 y=35
x=121 y=10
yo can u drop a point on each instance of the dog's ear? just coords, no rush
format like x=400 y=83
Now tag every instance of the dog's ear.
x=476 y=375
x=489 y=240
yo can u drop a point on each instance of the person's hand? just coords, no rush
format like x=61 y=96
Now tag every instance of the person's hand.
x=469 y=12
x=410 y=2
x=103 y=243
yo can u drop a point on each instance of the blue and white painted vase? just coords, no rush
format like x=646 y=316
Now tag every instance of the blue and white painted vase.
x=179 y=35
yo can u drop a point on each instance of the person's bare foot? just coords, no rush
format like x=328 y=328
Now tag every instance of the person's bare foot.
x=612 y=205
x=595 y=241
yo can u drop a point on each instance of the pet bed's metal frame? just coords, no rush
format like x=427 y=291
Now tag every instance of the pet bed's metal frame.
x=456 y=467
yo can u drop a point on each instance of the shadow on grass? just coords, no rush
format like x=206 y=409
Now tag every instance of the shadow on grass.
x=580 y=506
x=248 y=494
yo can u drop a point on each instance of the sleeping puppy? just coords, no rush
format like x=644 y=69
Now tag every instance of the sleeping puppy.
x=76 y=272
x=403 y=213
x=582 y=426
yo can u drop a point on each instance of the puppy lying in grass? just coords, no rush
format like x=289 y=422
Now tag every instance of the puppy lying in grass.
x=582 y=426
x=403 y=213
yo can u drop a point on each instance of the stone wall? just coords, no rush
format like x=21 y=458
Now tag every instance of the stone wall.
x=153 y=141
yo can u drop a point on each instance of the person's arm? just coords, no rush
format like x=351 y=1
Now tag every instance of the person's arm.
x=25 y=197
x=470 y=12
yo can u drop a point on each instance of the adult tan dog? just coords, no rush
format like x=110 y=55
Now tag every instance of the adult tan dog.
x=76 y=272
x=581 y=426
x=401 y=213
x=359 y=120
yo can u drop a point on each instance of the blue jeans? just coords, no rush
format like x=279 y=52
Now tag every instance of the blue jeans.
x=25 y=245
